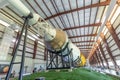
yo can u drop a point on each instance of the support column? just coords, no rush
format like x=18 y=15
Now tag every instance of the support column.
x=16 y=40
x=35 y=49
x=90 y=61
x=97 y=58
x=93 y=60
x=100 y=57
x=45 y=53
x=103 y=54
x=113 y=33
x=109 y=51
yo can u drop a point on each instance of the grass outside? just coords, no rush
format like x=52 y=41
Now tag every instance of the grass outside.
x=76 y=74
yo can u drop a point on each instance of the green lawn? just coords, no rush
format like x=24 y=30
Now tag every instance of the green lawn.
x=76 y=74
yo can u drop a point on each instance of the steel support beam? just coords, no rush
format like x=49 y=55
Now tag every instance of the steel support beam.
x=107 y=2
x=108 y=50
x=96 y=62
x=84 y=41
x=99 y=54
x=15 y=43
x=94 y=49
x=83 y=35
x=77 y=27
x=96 y=59
x=84 y=48
x=24 y=28
x=113 y=33
x=35 y=49
x=83 y=45
x=91 y=60
x=45 y=54
x=103 y=54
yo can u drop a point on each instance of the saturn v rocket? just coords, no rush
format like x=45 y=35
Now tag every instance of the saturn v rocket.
x=55 y=39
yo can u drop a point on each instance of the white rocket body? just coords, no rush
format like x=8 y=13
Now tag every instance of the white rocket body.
x=51 y=35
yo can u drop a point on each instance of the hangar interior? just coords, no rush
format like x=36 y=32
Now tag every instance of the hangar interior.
x=91 y=25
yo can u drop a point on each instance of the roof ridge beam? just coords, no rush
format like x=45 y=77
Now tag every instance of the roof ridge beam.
x=84 y=48
x=83 y=35
x=83 y=45
x=84 y=41
x=95 y=25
